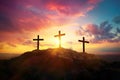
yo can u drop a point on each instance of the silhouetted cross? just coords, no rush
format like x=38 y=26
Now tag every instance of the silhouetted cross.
x=83 y=41
x=38 y=39
x=59 y=36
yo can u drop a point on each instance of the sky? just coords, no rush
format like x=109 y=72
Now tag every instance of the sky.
x=97 y=20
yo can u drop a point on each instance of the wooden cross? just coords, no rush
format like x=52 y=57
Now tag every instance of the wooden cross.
x=38 y=39
x=59 y=36
x=83 y=41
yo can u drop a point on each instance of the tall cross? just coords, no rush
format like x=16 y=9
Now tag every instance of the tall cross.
x=83 y=41
x=38 y=39
x=59 y=36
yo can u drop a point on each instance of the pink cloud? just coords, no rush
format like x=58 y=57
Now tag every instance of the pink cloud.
x=100 y=33
x=93 y=29
x=17 y=17
x=72 y=7
x=31 y=15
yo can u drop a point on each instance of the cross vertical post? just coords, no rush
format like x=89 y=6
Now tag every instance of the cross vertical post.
x=38 y=43
x=59 y=36
x=38 y=39
x=59 y=40
x=83 y=45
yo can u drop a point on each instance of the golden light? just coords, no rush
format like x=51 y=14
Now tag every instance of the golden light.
x=56 y=42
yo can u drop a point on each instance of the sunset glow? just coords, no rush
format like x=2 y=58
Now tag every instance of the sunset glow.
x=97 y=20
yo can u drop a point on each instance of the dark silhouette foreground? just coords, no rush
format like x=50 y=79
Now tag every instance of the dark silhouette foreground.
x=58 y=64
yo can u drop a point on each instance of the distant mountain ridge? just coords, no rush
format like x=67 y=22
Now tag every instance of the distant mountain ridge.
x=8 y=55
x=58 y=64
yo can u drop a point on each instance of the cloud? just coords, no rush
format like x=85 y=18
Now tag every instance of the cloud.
x=71 y=7
x=116 y=19
x=118 y=30
x=13 y=39
x=100 y=33
x=12 y=44
x=19 y=19
x=62 y=6
x=6 y=24
x=14 y=17
x=27 y=42
x=36 y=14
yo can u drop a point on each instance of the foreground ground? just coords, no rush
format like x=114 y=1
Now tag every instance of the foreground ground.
x=58 y=64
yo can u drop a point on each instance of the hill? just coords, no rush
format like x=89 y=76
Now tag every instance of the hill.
x=58 y=64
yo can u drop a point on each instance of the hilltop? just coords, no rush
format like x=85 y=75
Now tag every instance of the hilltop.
x=58 y=64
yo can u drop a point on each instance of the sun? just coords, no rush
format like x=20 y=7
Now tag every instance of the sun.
x=56 y=42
